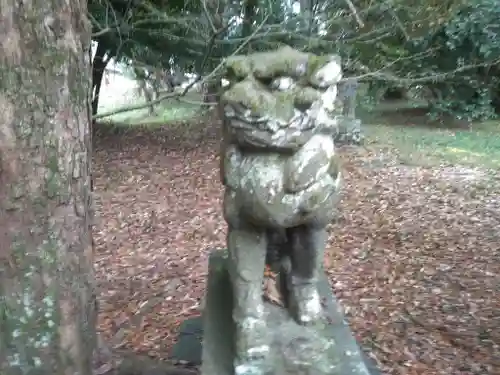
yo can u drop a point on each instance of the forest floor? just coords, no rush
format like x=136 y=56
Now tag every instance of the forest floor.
x=414 y=257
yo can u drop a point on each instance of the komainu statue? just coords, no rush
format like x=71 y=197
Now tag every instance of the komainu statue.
x=281 y=179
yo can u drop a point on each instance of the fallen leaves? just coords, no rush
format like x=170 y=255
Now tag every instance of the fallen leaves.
x=414 y=257
x=422 y=247
x=270 y=290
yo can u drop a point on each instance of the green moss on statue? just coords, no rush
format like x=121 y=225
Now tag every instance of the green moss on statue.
x=285 y=61
x=305 y=96
x=259 y=100
x=238 y=67
x=315 y=63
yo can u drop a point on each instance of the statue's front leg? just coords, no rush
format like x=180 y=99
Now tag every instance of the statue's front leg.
x=307 y=245
x=247 y=252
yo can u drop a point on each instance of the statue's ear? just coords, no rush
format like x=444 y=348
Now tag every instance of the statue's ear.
x=330 y=73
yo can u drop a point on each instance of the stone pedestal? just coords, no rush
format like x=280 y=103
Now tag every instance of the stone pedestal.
x=349 y=131
x=326 y=349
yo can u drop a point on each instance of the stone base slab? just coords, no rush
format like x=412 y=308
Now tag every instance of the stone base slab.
x=324 y=349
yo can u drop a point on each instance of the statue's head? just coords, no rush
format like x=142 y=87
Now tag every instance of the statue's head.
x=279 y=95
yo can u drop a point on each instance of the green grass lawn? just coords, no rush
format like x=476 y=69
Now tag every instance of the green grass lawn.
x=410 y=133
x=170 y=110
x=478 y=147
x=418 y=141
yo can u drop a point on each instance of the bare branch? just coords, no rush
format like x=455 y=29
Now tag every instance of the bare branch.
x=101 y=32
x=199 y=79
x=355 y=13
x=399 y=23
x=437 y=77
x=207 y=15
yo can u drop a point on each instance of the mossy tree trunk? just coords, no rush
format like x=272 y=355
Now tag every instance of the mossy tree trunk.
x=47 y=299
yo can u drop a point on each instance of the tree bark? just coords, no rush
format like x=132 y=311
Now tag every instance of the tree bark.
x=47 y=298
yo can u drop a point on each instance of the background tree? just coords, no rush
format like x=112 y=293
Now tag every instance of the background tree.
x=395 y=47
x=47 y=299
x=154 y=34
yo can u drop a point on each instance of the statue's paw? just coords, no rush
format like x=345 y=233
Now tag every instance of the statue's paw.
x=252 y=341
x=252 y=367
x=307 y=305
x=252 y=349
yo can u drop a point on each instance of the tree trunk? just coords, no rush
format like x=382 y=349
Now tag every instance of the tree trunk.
x=142 y=79
x=249 y=12
x=211 y=92
x=215 y=13
x=148 y=96
x=307 y=14
x=98 y=68
x=47 y=299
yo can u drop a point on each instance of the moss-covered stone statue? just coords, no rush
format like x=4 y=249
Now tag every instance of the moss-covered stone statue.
x=281 y=179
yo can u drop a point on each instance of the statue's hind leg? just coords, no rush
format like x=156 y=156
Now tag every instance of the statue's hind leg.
x=307 y=249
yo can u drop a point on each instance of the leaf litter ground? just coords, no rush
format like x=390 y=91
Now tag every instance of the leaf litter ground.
x=414 y=256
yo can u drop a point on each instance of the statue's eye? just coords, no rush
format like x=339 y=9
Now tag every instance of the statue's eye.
x=282 y=83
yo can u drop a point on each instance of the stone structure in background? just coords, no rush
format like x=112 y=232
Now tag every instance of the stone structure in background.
x=349 y=127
